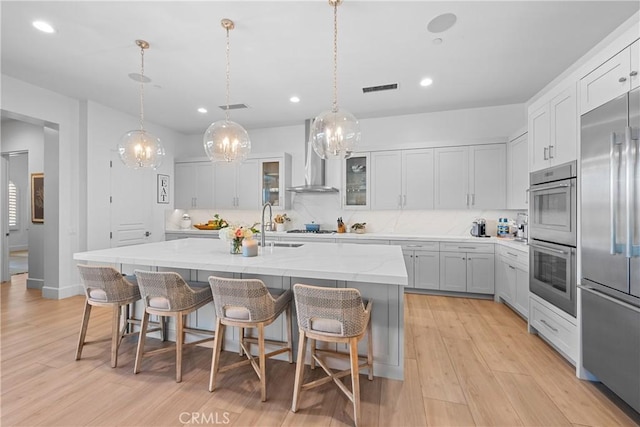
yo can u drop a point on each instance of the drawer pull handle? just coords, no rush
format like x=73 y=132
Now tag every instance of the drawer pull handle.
x=544 y=322
x=512 y=254
x=622 y=79
x=466 y=247
x=512 y=267
x=633 y=73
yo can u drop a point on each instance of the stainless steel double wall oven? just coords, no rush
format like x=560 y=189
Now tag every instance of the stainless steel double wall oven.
x=553 y=233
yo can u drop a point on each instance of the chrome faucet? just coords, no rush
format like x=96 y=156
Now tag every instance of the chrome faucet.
x=262 y=227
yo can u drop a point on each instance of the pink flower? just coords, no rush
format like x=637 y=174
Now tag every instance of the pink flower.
x=239 y=233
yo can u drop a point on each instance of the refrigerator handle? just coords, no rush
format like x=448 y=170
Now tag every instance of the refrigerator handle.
x=613 y=176
x=629 y=154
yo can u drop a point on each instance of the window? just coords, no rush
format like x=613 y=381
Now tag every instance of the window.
x=13 y=206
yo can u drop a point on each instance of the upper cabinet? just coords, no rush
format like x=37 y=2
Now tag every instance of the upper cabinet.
x=470 y=177
x=553 y=131
x=237 y=186
x=356 y=182
x=276 y=177
x=194 y=185
x=518 y=173
x=613 y=78
x=402 y=179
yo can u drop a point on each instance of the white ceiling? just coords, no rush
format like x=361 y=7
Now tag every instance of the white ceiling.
x=497 y=53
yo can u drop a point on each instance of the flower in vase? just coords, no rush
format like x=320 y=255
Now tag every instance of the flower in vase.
x=235 y=235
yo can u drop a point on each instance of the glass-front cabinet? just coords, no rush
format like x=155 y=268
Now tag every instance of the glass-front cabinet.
x=356 y=182
x=275 y=176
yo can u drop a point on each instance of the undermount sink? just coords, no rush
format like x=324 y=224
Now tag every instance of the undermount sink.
x=282 y=244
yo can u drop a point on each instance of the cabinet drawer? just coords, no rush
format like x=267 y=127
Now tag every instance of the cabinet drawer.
x=484 y=248
x=511 y=256
x=417 y=245
x=555 y=328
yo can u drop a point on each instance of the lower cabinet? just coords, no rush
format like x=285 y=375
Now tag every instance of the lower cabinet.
x=422 y=262
x=512 y=279
x=467 y=268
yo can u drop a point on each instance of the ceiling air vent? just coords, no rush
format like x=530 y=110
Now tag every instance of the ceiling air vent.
x=233 y=107
x=392 y=86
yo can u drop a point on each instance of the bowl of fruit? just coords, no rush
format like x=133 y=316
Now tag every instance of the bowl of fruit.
x=213 y=224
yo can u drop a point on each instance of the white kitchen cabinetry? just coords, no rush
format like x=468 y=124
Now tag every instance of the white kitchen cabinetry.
x=553 y=131
x=402 y=179
x=193 y=185
x=557 y=327
x=356 y=182
x=470 y=177
x=518 y=173
x=422 y=260
x=512 y=278
x=467 y=268
x=275 y=178
x=237 y=186
x=615 y=77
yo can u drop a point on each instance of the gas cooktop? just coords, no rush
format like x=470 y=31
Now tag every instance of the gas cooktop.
x=312 y=232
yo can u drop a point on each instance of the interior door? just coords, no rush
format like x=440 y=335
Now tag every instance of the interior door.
x=4 y=224
x=133 y=194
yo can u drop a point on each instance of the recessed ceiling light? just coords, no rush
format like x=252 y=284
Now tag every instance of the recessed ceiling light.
x=137 y=77
x=442 y=22
x=202 y=110
x=426 y=82
x=45 y=27
x=437 y=41
x=294 y=99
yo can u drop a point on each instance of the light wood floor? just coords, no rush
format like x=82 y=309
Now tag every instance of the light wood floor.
x=467 y=362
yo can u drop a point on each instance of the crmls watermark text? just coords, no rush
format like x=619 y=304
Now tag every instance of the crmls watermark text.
x=202 y=418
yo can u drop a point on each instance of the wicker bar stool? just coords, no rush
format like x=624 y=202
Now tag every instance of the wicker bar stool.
x=248 y=303
x=167 y=294
x=106 y=287
x=337 y=316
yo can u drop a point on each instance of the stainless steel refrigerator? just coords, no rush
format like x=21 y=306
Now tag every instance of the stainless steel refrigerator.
x=610 y=245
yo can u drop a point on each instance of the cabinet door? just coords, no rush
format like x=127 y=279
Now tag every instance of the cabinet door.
x=451 y=177
x=518 y=173
x=635 y=65
x=355 y=187
x=184 y=185
x=521 y=302
x=480 y=273
x=270 y=178
x=204 y=185
x=224 y=184
x=453 y=271
x=564 y=127
x=539 y=138
x=427 y=269
x=248 y=185
x=505 y=281
x=487 y=176
x=417 y=179
x=606 y=82
x=386 y=180
x=408 y=262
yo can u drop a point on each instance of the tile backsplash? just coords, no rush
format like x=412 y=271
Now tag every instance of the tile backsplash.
x=324 y=209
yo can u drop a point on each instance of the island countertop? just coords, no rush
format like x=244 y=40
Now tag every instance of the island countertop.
x=382 y=264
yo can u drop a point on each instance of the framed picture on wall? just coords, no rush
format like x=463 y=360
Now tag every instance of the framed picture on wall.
x=37 y=197
x=163 y=189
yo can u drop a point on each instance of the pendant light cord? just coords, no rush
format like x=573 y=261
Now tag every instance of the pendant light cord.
x=142 y=88
x=335 y=57
x=226 y=112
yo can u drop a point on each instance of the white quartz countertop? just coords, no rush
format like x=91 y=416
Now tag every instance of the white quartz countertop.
x=335 y=261
x=509 y=242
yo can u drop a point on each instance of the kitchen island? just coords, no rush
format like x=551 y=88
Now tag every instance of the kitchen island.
x=378 y=271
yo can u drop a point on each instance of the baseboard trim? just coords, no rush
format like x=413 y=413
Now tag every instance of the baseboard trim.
x=61 y=293
x=35 y=283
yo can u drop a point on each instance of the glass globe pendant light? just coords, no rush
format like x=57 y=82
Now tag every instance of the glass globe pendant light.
x=224 y=140
x=335 y=133
x=138 y=148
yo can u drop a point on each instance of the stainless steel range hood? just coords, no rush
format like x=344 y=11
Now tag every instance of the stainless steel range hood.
x=314 y=170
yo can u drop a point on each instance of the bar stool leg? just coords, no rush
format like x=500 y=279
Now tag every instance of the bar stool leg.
x=240 y=352
x=313 y=353
x=355 y=379
x=215 y=358
x=179 y=341
x=263 y=363
x=83 y=329
x=370 y=349
x=144 y=323
x=289 y=334
x=302 y=347
x=115 y=335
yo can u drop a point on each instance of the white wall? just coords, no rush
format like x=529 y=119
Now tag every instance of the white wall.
x=19 y=175
x=22 y=136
